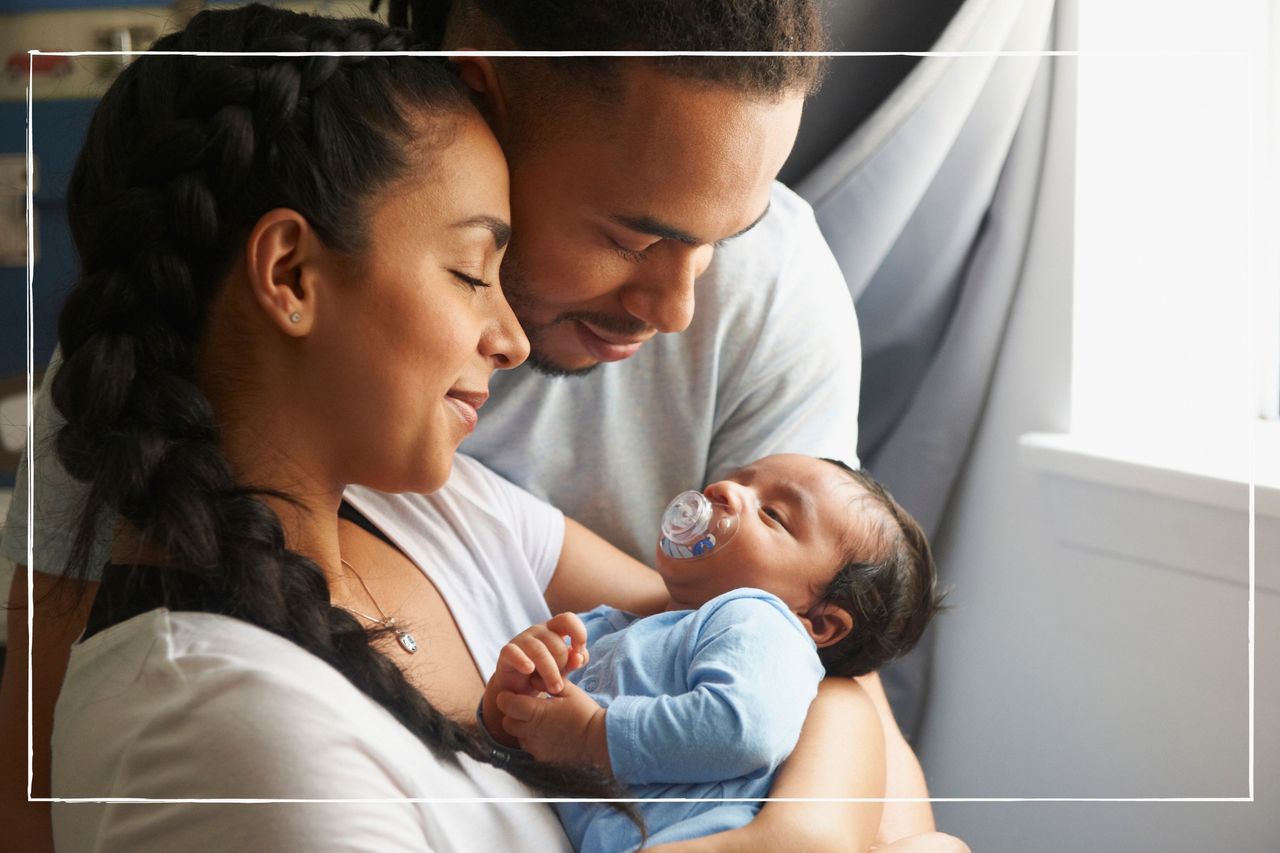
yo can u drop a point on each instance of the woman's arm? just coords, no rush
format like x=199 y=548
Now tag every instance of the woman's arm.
x=904 y=778
x=59 y=618
x=842 y=714
x=592 y=572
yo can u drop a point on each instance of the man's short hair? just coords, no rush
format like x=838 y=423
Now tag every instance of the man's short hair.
x=776 y=26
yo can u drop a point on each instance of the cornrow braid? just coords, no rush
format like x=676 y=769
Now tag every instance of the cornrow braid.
x=182 y=157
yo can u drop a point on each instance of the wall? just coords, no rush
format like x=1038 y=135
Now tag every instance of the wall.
x=1085 y=657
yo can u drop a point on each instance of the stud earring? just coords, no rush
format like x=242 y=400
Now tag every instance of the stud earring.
x=295 y=317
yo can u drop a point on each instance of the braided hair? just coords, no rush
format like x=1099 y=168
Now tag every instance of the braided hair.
x=778 y=26
x=182 y=157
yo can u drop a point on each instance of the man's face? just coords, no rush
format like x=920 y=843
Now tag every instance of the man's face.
x=616 y=213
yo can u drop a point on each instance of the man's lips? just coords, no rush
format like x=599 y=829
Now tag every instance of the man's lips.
x=467 y=404
x=604 y=346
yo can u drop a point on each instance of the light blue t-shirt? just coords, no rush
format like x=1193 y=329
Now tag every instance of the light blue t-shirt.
x=702 y=703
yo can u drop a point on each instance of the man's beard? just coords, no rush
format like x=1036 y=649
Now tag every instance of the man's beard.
x=516 y=287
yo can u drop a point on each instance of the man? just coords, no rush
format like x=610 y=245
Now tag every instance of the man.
x=641 y=189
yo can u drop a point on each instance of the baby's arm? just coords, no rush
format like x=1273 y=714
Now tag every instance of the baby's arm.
x=534 y=662
x=750 y=679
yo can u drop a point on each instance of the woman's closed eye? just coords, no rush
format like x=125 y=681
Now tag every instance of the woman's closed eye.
x=470 y=280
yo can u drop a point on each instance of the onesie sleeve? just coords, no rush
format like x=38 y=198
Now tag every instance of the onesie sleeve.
x=752 y=673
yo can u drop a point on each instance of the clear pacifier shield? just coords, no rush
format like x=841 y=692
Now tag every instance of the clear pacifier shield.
x=693 y=526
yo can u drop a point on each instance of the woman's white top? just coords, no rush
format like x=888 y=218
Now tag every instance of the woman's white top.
x=193 y=705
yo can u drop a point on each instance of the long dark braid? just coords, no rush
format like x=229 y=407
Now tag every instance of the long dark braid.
x=182 y=158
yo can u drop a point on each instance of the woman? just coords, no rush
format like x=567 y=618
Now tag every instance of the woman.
x=288 y=286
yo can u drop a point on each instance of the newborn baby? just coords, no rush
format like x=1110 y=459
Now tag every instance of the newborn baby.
x=809 y=569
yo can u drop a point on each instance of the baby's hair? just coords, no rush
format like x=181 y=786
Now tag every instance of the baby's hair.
x=888 y=584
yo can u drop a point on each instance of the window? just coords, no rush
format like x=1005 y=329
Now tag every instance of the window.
x=1176 y=329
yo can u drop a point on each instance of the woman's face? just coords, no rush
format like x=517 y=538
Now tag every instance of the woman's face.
x=407 y=337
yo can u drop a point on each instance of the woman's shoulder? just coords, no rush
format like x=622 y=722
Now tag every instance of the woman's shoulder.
x=214 y=673
x=267 y=715
x=271 y=719
x=205 y=706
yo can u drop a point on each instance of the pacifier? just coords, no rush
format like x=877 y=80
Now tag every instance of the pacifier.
x=693 y=526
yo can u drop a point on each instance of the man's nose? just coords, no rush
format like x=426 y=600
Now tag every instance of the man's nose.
x=663 y=293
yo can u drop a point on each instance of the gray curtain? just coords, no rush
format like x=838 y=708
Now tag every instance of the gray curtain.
x=927 y=206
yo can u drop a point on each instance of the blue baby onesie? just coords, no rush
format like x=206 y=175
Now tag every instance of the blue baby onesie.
x=701 y=703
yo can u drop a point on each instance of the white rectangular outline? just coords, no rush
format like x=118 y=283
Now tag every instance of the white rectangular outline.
x=603 y=53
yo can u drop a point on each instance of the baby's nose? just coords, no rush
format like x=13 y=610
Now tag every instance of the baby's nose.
x=729 y=493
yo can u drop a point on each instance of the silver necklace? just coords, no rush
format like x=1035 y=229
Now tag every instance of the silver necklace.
x=404 y=638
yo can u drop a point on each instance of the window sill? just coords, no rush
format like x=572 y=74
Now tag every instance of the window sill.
x=1192 y=516
x=1218 y=483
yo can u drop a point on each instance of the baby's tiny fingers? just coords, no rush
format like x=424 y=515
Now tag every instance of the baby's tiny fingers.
x=570 y=625
x=513 y=657
x=546 y=663
x=517 y=708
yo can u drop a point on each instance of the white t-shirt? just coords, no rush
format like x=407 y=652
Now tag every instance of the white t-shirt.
x=197 y=705
x=489 y=547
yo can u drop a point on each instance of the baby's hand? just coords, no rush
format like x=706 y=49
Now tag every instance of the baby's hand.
x=569 y=728
x=535 y=662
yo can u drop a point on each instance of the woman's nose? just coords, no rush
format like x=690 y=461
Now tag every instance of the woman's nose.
x=504 y=342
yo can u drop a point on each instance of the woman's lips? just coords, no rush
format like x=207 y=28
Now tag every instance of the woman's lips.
x=466 y=405
x=603 y=347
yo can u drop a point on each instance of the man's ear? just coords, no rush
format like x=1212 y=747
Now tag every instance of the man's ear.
x=480 y=76
x=279 y=259
x=827 y=624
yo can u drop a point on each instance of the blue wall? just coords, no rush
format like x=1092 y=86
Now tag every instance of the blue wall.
x=58 y=129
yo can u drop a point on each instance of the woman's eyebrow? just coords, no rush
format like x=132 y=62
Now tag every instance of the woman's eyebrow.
x=501 y=230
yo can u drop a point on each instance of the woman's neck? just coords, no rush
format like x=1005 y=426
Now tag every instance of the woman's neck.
x=310 y=518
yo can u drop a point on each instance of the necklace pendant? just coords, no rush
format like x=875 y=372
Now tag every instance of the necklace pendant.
x=407 y=641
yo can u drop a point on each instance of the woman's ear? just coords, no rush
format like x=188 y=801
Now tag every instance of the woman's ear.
x=279 y=257
x=480 y=76
x=827 y=624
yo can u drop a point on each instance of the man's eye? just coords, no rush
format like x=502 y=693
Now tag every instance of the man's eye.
x=470 y=280
x=633 y=255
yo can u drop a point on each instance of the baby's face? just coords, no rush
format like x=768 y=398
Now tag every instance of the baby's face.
x=794 y=514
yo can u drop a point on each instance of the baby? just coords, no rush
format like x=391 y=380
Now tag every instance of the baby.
x=809 y=569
